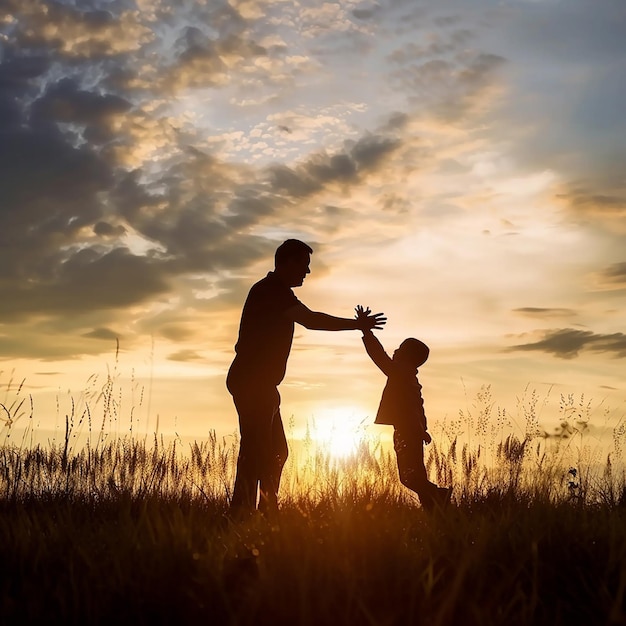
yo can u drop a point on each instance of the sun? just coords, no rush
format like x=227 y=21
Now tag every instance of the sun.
x=339 y=430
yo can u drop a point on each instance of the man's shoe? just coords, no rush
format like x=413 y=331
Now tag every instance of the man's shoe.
x=442 y=497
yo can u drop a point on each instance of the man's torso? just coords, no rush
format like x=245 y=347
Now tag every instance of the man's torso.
x=265 y=332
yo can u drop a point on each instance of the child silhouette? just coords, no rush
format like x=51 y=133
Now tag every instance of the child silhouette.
x=402 y=406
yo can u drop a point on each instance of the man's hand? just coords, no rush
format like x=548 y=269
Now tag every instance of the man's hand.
x=427 y=438
x=368 y=321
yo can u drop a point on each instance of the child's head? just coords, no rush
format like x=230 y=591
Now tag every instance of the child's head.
x=413 y=352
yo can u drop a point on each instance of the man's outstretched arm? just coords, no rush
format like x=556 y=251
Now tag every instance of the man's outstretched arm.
x=315 y=320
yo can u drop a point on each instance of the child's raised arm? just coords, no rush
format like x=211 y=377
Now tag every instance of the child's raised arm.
x=373 y=347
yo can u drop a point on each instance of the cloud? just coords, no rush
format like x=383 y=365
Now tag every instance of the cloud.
x=542 y=312
x=616 y=273
x=324 y=19
x=50 y=196
x=346 y=167
x=186 y=356
x=206 y=62
x=451 y=91
x=72 y=33
x=587 y=202
x=104 y=229
x=88 y=280
x=612 y=277
x=567 y=343
x=45 y=341
x=102 y=333
x=65 y=102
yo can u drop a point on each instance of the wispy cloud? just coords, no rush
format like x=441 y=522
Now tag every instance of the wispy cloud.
x=543 y=312
x=615 y=274
x=568 y=343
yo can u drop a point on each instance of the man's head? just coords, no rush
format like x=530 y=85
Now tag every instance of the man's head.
x=292 y=260
x=413 y=352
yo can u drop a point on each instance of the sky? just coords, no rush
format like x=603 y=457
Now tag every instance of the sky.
x=459 y=165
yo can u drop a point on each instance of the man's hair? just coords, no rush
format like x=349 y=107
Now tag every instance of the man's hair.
x=417 y=351
x=290 y=249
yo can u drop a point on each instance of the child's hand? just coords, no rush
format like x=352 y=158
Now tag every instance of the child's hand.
x=361 y=313
x=427 y=437
x=367 y=321
x=361 y=316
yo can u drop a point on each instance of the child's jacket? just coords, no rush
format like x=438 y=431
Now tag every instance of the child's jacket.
x=401 y=403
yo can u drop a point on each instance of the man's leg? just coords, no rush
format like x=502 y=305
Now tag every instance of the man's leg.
x=256 y=408
x=274 y=463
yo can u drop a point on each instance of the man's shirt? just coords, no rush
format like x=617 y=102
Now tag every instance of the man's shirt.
x=265 y=332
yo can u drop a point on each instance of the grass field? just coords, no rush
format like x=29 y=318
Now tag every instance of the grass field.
x=130 y=530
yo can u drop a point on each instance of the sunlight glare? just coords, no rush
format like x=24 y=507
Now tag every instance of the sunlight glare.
x=339 y=431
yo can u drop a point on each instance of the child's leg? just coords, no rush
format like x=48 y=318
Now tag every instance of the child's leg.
x=409 y=447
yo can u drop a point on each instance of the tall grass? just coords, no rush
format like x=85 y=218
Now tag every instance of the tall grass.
x=130 y=529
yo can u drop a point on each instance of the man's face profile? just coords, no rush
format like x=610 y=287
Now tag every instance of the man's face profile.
x=296 y=268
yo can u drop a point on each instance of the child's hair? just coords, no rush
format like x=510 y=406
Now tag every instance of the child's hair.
x=417 y=351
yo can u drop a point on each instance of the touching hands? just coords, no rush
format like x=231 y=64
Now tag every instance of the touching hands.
x=367 y=321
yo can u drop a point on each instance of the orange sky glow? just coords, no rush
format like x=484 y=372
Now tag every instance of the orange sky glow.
x=458 y=166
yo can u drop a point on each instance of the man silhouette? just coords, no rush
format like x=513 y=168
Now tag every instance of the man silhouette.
x=262 y=349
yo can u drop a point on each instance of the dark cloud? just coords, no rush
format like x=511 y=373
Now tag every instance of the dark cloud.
x=65 y=102
x=567 y=343
x=369 y=151
x=364 y=14
x=17 y=81
x=347 y=167
x=88 y=280
x=17 y=71
x=104 y=229
x=50 y=192
x=397 y=122
x=53 y=200
x=194 y=212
